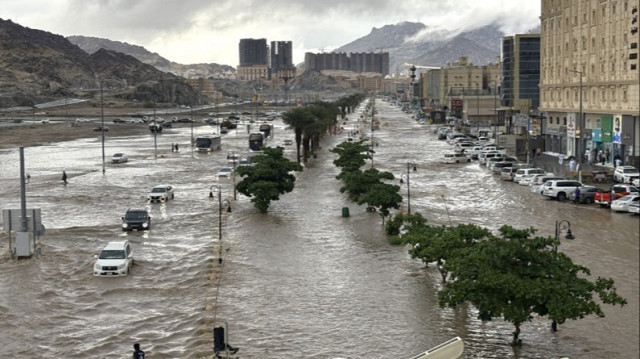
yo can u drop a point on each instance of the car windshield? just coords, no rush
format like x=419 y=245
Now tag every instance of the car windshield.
x=118 y=155
x=158 y=190
x=136 y=215
x=225 y=169
x=112 y=254
x=630 y=170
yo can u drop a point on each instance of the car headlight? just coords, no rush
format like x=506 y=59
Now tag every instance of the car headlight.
x=121 y=266
x=97 y=266
x=125 y=225
x=145 y=224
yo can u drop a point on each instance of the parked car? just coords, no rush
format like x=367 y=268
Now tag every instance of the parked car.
x=484 y=156
x=587 y=194
x=161 y=193
x=287 y=142
x=635 y=180
x=118 y=120
x=539 y=180
x=225 y=172
x=115 y=259
x=622 y=204
x=497 y=167
x=616 y=191
x=559 y=189
x=520 y=173
x=119 y=158
x=623 y=174
x=634 y=207
x=136 y=219
x=454 y=157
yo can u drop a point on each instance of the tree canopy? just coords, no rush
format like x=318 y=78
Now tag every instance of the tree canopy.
x=514 y=275
x=269 y=177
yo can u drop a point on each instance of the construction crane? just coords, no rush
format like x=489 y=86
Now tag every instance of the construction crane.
x=423 y=67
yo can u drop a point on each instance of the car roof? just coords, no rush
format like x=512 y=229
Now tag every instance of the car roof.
x=116 y=245
x=137 y=210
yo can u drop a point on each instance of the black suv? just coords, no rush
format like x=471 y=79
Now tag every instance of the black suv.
x=136 y=219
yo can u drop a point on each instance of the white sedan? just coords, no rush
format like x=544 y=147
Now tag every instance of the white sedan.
x=119 y=158
x=622 y=204
x=225 y=172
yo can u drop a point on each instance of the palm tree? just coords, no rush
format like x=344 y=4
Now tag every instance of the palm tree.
x=298 y=118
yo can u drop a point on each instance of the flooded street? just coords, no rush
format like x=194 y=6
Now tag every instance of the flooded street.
x=298 y=282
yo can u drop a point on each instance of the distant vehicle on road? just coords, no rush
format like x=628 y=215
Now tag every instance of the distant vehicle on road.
x=256 y=141
x=115 y=259
x=225 y=172
x=161 y=193
x=208 y=143
x=119 y=158
x=101 y=128
x=136 y=219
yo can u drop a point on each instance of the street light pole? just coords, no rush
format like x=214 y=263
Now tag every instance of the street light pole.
x=220 y=205
x=477 y=108
x=580 y=122
x=409 y=165
x=562 y=225
x=102 y=129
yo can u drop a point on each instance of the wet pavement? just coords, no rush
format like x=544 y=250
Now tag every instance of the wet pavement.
x=299 y=282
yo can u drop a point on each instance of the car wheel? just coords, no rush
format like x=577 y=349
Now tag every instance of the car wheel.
x=561 y=196
x=588 y=200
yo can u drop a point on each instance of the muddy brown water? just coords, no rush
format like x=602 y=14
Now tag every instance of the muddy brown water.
x=298 y=282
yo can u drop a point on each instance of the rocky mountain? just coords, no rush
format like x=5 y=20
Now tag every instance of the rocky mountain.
x=93 y=44
x=416 y=43
x=38 y=64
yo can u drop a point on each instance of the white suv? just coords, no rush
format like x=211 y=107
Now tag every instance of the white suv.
x=624 y=173
x=559 y=189
x=115 y=259
x=161 y=193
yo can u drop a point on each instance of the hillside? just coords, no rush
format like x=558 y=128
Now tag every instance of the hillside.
x=37 y=65
x=93 y=44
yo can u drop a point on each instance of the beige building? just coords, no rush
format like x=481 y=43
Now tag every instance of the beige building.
x=589 y=65
x=253 y=72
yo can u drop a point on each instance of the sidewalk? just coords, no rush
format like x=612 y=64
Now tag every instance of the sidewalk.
x=549 y=162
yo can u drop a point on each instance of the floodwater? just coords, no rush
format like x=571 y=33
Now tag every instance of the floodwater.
x=298 y=282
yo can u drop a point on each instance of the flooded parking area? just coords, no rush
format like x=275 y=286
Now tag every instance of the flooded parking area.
x=298 y=282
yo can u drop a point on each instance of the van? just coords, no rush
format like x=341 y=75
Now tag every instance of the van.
x=455 y=157
x=522 y=172
x=483 y=157
x=498 y=166
x=539 y=180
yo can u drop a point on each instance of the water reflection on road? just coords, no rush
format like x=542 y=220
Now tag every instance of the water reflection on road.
x=298 y=282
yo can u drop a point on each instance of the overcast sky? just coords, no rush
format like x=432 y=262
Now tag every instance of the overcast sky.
x=205 y=31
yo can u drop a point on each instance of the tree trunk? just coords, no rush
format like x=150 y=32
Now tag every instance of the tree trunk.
x=516 y=341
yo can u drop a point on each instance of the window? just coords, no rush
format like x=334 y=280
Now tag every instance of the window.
x=557 y=120
x=624 y=94
x=564 y=121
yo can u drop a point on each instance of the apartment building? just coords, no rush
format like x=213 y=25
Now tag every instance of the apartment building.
x=589 y=77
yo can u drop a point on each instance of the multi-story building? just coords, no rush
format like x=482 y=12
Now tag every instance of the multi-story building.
x=254 y=59
x=356 y=62
x=282 y=60
x=590 y=78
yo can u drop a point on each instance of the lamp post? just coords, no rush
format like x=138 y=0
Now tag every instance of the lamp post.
x=477 y=108
x=102 y=126
x=410 y=164
x=580 y=122
x=372 y=114
x=561 y=226
x=220 y=205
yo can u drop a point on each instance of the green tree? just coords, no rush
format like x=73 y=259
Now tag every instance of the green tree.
x=439 y=243
x=268 y=178
x=351 y=156
x=515 y=276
